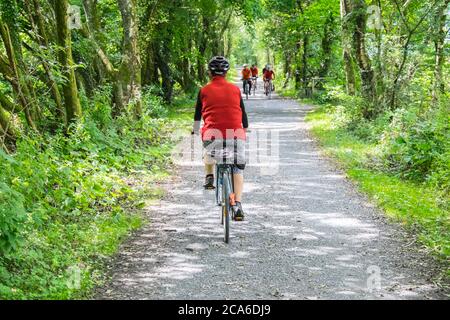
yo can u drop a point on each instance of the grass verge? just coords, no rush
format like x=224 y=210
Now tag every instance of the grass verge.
x=416 y=206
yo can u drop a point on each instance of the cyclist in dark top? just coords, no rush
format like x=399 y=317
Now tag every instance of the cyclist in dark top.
x=221 y=106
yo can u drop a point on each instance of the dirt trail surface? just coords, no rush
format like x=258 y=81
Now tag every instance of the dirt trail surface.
x=308 y=234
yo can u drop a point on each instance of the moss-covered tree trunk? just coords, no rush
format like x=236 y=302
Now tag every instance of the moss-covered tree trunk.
x=359 y=20
x=439 y=42
x=8 y=133
x=346 y=51
x=38 y=24
x=11 y=71
x=129 y=75
x=70 y=89
x=326 y=44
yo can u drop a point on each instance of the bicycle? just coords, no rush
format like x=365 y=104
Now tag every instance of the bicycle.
x=254 y=85
x=246 y=88
x=268 y=88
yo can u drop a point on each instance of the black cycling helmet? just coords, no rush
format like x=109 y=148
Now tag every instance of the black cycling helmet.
x=218 y=65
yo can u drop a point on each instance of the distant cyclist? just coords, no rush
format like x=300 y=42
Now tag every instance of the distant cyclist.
x=221 y=106
x=268 y=76
x=247 y=78
x=255 y=71
x=255 y=74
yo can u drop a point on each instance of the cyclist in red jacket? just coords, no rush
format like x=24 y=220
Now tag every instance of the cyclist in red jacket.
x=222 y=109
x=246 y=78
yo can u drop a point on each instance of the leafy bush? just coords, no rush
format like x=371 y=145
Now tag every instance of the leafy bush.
x=412 y=142
x=417 y=146
x=348 y=113
x=153 y=103
x=12 y=216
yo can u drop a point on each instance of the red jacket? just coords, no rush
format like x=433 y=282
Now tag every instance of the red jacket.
x=221 y=106
x=246 y=74
x=269 y=74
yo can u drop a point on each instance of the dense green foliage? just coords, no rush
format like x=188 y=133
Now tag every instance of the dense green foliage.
x=69 y=200
x=87 y=106
x=382 y=70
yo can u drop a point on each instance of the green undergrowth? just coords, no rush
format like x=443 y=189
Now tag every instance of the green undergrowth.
x=68 y=201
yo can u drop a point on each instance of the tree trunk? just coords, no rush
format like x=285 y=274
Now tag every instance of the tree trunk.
x=304 y=65
x=7 y=133
x=359 y=17
x=129 y=76
x=287 y=68
x=70 y=89
x=166 y=74
x=98 y=69
x=439 y=41
x=327 y=42
x=346 y=51
x=203 y=44
x=150 y=69
x=14 y=75
x=298 y=78
x=38 y=25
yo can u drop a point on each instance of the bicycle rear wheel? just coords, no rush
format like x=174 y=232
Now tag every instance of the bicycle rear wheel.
x=219 y=186
x=226 y=212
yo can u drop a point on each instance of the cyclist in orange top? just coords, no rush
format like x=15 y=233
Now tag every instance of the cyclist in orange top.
x=246 y=77
x=269 y=74
x=255 y=71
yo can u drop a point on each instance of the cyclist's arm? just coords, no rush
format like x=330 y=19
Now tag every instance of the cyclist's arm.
x=198 y=114
x=244 y=115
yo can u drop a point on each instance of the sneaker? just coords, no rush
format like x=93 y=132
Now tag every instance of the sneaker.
x=209 y=182
x=238 y=212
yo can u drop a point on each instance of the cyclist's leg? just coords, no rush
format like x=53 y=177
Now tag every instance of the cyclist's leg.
x=209 y=165
x=238 y=168
x=238 y=179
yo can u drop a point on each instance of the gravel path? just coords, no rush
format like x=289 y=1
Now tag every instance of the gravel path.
x=308 y=234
